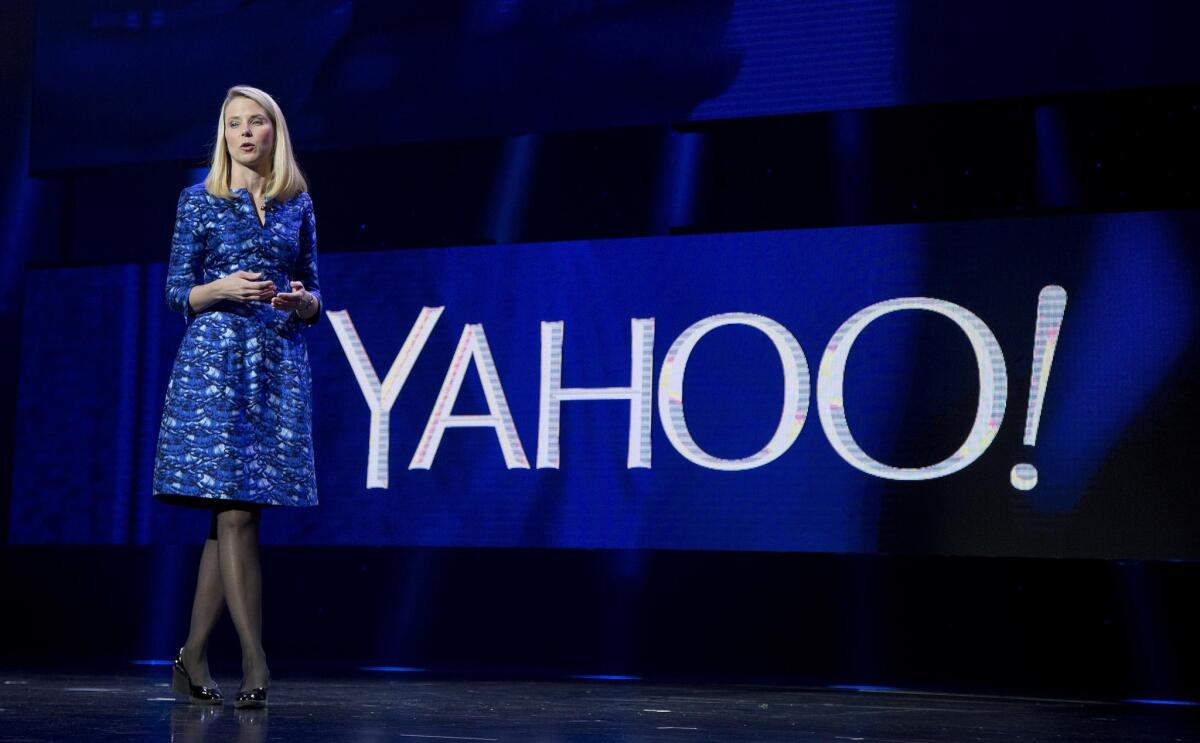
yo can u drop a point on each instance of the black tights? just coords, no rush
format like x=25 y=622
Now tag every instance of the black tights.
x=229 y=575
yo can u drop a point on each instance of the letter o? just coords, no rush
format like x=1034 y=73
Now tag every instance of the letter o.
x=795 y=391
x=993 y=389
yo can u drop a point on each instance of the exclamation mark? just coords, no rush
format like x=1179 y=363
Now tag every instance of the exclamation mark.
x=1052 y=304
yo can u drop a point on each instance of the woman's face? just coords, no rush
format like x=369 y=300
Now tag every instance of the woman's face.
x=249 y=134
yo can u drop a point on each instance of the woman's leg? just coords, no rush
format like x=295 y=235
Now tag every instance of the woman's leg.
x=207 y=605
x=237 y=550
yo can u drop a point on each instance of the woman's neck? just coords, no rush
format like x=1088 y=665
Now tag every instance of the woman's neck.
x=251 y=180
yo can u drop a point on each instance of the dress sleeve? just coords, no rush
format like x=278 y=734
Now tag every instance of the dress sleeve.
x=185 y=268
x=306 y=258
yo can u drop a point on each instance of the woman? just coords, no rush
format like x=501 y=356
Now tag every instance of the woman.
x=236 y=432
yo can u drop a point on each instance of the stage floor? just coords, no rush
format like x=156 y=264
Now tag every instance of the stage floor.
x=137 y=704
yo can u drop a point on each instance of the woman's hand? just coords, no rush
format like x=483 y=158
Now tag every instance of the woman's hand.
x=298 y=300
x=241 y=286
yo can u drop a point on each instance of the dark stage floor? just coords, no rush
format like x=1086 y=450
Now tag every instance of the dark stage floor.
x=137 y=704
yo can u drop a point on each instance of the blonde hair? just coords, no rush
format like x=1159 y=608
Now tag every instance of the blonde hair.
x=286 y=179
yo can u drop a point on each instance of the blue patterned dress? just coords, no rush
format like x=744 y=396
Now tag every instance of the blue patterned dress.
x=237 y=423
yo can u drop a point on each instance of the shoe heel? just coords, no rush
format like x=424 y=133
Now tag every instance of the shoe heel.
x=182 y=684
x=179 y=682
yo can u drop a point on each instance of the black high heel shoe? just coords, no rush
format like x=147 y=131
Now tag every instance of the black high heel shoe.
x=255 y=698
x=181 y=683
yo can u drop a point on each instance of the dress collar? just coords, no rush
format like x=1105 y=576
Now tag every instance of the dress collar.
x=269 y=200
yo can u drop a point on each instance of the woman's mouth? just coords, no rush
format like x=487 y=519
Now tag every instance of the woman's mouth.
x=247 y=147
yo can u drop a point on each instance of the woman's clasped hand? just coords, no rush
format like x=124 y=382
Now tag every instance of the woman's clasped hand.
x=295 y=300
x=242 y=286
x=245 y=286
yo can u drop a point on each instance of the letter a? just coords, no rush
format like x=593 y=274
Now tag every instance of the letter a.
x=472 y=346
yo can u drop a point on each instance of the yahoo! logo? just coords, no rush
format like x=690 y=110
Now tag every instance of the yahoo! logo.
x=473 y=349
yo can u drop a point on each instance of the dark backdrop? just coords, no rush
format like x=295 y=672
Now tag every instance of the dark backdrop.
x=975 y=112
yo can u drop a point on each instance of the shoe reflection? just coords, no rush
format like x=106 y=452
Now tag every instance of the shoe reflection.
x=251 y=725
x=190 y=721
x=194 y=723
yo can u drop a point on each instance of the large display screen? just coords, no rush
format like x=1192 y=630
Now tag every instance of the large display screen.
x=1010 y=387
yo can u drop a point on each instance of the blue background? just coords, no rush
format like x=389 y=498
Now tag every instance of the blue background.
x=92 y=385
x=1001 y=132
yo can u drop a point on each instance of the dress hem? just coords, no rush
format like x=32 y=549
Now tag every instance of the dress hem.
x=201 y=501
